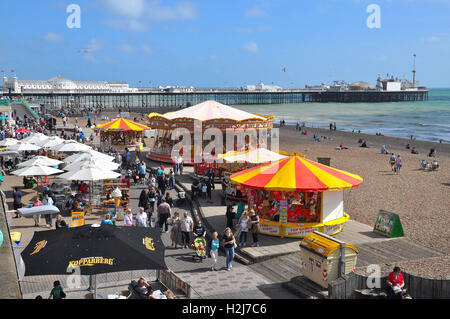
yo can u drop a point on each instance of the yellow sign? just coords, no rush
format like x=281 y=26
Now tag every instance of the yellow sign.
x=91 y=261
x=149 y=244
x=77 y=219
x=38 y=247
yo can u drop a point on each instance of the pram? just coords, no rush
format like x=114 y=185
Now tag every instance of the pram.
x=200 y=248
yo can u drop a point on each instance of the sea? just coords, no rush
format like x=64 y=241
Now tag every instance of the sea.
x=427 y=121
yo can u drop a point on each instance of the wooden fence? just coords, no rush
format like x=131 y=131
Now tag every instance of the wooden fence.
x=418 y=287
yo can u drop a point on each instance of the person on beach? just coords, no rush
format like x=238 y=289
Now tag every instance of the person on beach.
x=392 y=161
x=414 y=151
x=175 y=230
x=228 y=242
x=398 y=163
x=214 y=249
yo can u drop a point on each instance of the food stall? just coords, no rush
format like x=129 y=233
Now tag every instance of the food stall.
x=121 y=133
x=197 y=120
x=322 y=256
x=295 y=196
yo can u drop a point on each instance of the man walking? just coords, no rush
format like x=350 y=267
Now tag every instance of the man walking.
x=187 y=226
x=164 y=212
x=47 y=201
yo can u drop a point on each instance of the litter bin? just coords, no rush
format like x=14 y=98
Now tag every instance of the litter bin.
x=324 y=160
x=321 y=258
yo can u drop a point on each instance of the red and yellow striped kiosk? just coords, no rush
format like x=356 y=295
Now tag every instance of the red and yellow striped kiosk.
x=295 y=196
x=121 y=133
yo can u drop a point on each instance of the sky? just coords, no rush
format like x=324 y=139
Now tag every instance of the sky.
x=227 y=43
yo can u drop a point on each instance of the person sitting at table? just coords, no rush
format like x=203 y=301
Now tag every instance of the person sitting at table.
x=107 y=220
x=60 y=223
x=141 y=289
x=84 y=188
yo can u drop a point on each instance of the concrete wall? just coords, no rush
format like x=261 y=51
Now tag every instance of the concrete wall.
x=418 y=287
x=9 y=282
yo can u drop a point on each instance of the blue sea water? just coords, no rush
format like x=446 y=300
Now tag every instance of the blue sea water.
x=427 y=121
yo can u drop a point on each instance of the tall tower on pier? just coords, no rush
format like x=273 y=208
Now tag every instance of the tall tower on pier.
x=414 y=72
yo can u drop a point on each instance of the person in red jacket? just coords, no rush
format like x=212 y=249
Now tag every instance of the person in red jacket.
x=395 y=283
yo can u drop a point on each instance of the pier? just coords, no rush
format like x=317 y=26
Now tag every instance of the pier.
x=152 y=99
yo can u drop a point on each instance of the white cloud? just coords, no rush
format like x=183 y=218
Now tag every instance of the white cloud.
x=133 y=15
x=52 y=37
x=432 y=39
x=132 y=9
x=127 y=25
x=147 y=49
x=251 y=47
x=127 y=48
x=258 y=10
x=94 y=45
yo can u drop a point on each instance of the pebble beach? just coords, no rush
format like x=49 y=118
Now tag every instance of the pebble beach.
x=421 y=198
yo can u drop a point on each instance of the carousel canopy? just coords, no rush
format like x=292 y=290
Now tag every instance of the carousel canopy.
x=210 y=110
x=121 y=124
x=256 y=156
x=296 y=174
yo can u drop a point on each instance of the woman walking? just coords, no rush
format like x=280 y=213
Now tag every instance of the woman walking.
x=143 y=199
x=175 y=231
x=228 y=242
x=128 y=218
x=398 y=163
x=214 y=249
x=254 y=227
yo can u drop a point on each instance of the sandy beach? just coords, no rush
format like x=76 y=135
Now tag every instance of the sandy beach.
x=420 y=198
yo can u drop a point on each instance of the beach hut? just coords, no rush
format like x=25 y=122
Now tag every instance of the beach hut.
x=197 y=120
x=121 y=133
x=296 y=196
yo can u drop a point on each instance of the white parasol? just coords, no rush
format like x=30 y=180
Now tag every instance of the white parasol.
x=96 y=162
x=50 y=142
x=36 y=138
x=88 y=155
x=40 y=160
x=37 y=170
x=70 y=146
x=23 y=146
x=91 y=173
x=9 y=142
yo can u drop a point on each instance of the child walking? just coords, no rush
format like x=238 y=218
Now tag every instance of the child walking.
x=214 y=250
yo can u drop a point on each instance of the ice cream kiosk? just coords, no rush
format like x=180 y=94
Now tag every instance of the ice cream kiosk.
x=324 y=259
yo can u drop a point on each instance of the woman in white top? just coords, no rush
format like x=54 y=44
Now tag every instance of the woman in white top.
x=141 y=218
x=244 y=222
x=128 y=218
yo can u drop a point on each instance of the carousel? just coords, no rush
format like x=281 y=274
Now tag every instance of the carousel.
x=295 y=196
x=234 y=162
x=197 y=120
x=121 y=133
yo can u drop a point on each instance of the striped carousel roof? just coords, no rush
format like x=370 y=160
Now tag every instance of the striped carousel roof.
x=122 y=124
x=296 y=174
x=210 y=110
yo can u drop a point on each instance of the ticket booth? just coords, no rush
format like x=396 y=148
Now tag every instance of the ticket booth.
x=324 y=259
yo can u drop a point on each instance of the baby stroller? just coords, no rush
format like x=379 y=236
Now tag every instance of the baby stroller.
x=200 y=248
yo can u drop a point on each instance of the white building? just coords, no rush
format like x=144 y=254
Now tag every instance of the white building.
x=261 y=87
x=62 y=85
